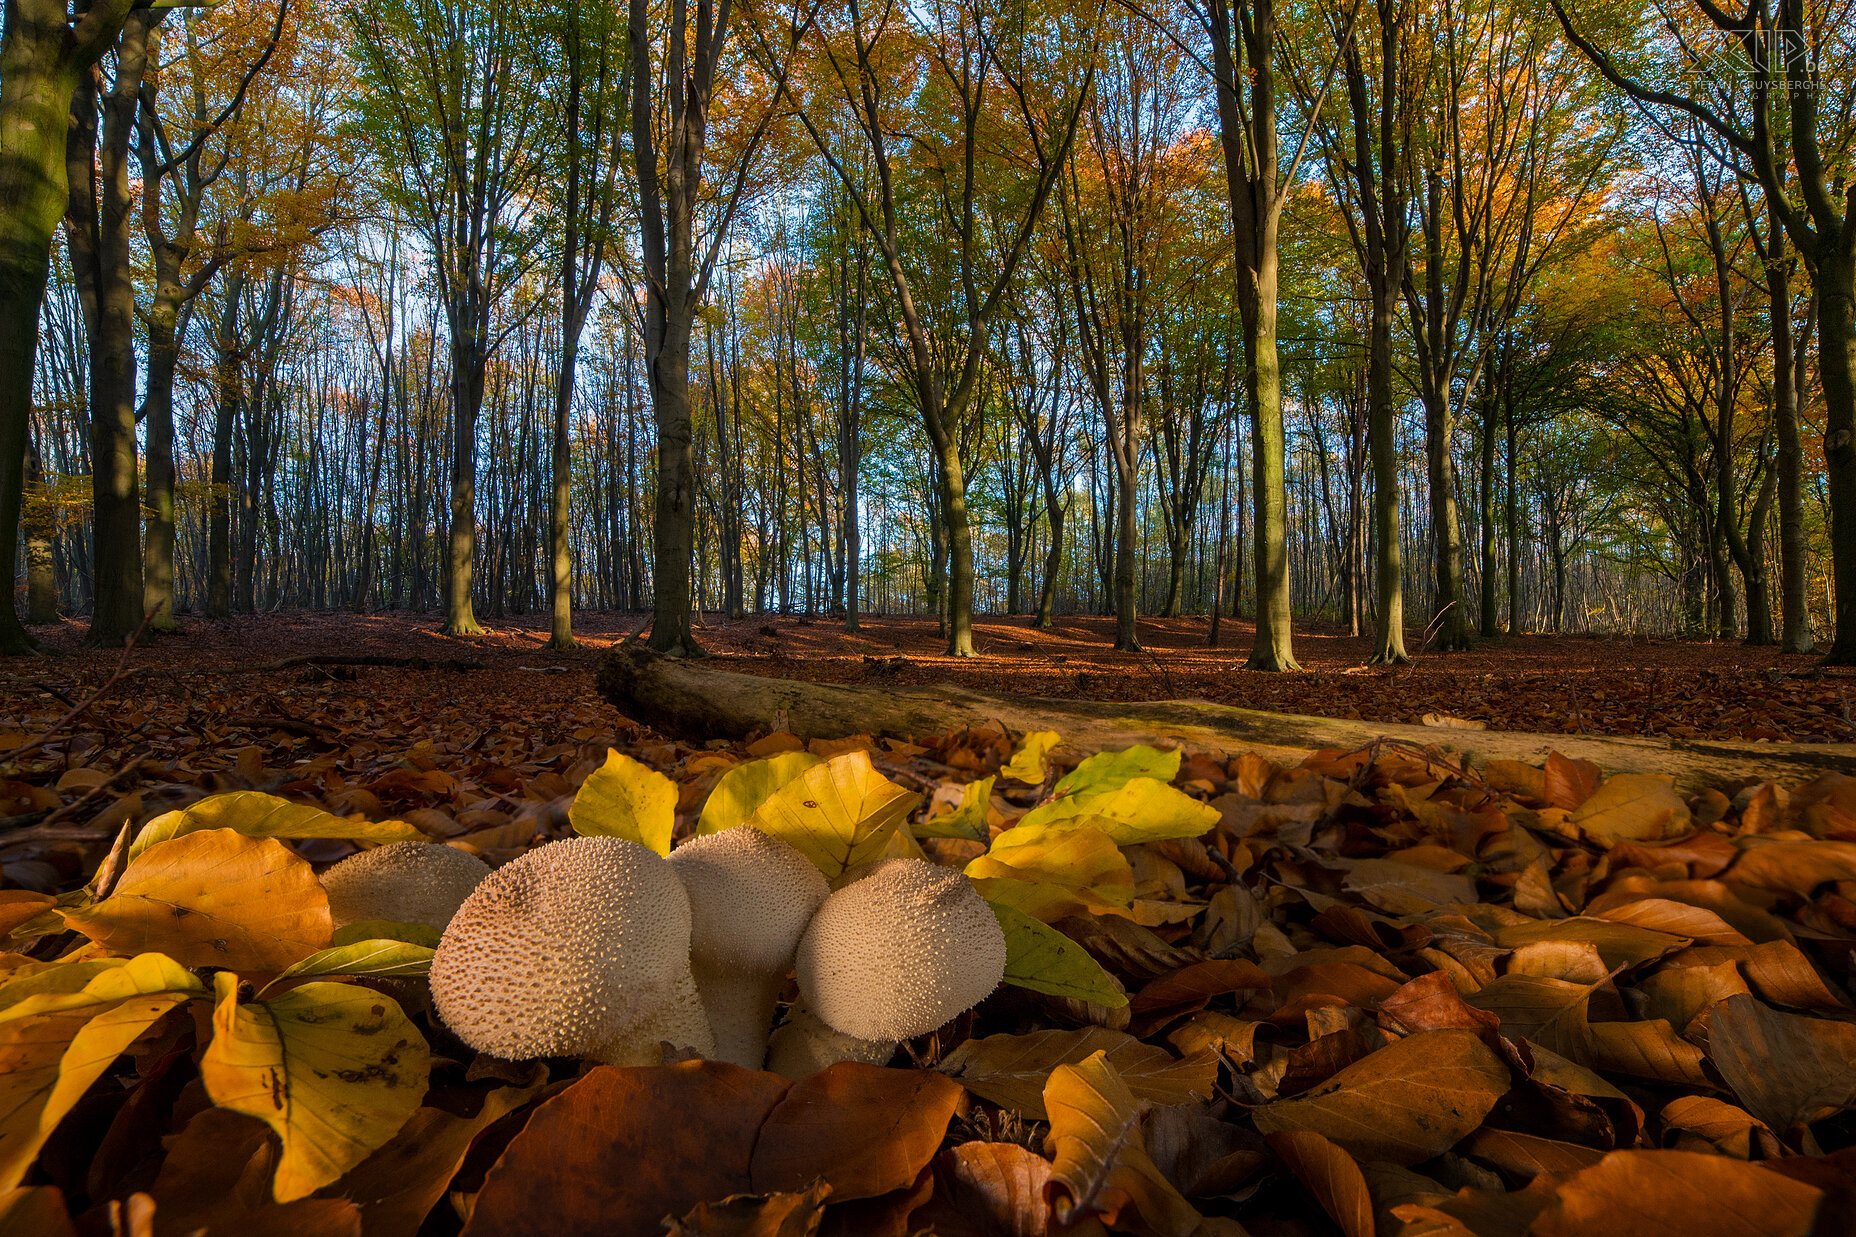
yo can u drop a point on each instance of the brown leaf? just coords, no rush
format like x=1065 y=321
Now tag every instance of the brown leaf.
x=213 y=898
x=1011 y=1070
x=558 y=1175
x=1568 y=783
x=989 y=1190
x=217 y=1177
x=35 y=1211
x=1431 y=1003
x=1330 y=1175
x=1405 y=1103
x=19 y=905
x=864 y=1129
x=398 y=1185
x=1785 y=1068
x=1191 y=989
x=1721 y=1127
x=751 y=1215
x=1793 y=867
x=1636 y=806
x=1678 y=1194
x=1527 y=1155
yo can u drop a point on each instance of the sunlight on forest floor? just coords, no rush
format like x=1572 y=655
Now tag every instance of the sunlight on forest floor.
x=1556 y=684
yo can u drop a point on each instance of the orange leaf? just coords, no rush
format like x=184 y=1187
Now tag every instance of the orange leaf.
x=864 y=1129
x=213 y=898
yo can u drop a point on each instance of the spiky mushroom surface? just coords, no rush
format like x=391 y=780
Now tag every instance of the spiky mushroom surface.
x=404 y=882
x=578 y=948
x=751 y=897
x=896 y=954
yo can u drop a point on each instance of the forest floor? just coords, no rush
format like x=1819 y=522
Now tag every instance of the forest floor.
x=1587 y=970
x=1552 y=684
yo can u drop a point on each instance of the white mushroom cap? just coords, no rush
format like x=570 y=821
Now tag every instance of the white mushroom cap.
x=751 y=897
x=404 y=882
x=573 y=949
x=899 y=952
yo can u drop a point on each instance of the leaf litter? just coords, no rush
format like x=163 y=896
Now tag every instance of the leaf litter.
x=1370 y=993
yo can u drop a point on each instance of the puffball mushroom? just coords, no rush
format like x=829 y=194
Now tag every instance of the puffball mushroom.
x=578 y=948
x=404 y=882
x=751 y=897
x=888 y=957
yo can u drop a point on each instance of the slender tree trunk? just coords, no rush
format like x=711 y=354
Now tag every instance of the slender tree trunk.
x=1795 y=636
x=1485 y=491
x=1836 y=335
x=1513 y=521
x=100 y=223
x=40 y=535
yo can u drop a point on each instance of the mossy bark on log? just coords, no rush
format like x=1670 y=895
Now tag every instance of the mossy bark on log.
x=703 y=701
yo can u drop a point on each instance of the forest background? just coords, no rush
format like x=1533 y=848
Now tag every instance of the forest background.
x=1498 y=316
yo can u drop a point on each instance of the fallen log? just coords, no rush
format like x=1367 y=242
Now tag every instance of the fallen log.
x=698 y=700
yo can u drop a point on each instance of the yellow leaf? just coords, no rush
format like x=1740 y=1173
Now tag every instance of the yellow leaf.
x=1027 y=763
x=213 y=898
x=745 y=787
x=266 y=816
x=1043 y=959
x=1107 y=771
x=55 y=1044
x=1635 y=806
x=965 y=820
x=335 y=1069
x=625 y=799
x=1050 y=872
x=1101 y=1165
x=837 y=814
x=1143 y=809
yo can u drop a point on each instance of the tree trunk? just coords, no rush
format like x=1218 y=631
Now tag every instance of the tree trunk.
x=1795 y=635
x=40 y=535
x=41 y=61
x=700 y=701
x=100 y=222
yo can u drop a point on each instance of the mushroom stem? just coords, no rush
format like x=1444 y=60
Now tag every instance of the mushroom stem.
x=740 y=1007
x=676 y=1018
x=804 y=1045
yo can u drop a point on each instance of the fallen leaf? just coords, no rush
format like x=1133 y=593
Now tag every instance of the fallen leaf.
x=1013 y=1070
x=742 y=789
x=1404 y=1103
x=989 y=1190
x=39 y=1211
x=1331 y=1176
x=1678 y=1194
x=375 y=959
x=966 y=819
x=257 y=815
x=213 y=898
x=1636 y=806
x=334 y=1069
x=625 y=799
x=1043 y=959
x=55 y=1045
x=1099 y=1162
x=1106 y=771
x=1028 y=763
x=864 y=1129
x=558 y=1175
x=755 y=1215
x=1787 y=1069
x=837 y=814
x=1144 y=809
x=217 y=1179
x=397 y=1186
x=1053 y=872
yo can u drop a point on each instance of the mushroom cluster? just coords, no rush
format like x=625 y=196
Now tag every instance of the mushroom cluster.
x=598 y=947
